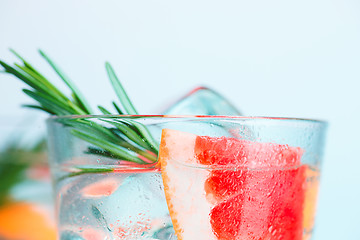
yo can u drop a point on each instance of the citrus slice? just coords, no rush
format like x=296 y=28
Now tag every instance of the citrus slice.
x=311 y=193
x=226 y=188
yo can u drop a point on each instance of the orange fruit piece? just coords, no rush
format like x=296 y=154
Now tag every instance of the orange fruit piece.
x=25 y=221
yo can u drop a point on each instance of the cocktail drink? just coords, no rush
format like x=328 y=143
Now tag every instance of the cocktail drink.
x=216 y=178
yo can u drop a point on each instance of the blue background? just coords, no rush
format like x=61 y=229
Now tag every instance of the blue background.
x=270 y=58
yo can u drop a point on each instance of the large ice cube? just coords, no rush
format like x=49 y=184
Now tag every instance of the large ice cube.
x=114 y=206
x=202 y=101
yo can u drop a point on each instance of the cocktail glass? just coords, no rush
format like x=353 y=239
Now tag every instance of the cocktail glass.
x=101 y=196
x=247 y=178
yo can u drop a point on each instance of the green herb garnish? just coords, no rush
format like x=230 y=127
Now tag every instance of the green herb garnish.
x=15 y=159
x=126 y=139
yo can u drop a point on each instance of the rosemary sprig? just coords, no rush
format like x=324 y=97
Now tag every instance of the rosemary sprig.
x=126 y=140
x=130 y=109
x=78 y=97
x=15 y=159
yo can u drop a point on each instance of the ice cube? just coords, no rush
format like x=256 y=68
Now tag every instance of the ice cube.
x=137 y=209
x=202 y=101
x=68 y=235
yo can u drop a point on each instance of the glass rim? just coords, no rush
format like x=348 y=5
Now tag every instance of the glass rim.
x=155 y=167
x=246 y=118
x=297 y=122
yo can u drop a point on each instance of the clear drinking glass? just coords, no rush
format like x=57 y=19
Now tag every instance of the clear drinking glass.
x=224 y=177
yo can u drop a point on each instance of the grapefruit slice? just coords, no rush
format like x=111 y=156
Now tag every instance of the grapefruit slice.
x=311 y=193
x=259 y=195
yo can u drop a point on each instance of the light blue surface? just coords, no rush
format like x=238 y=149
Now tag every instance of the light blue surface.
x=272 y=58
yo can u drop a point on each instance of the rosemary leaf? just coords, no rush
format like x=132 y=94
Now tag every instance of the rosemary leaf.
x=129 y=133
x=77 y=110
x=99 y=131
x=29 y=69
x=131 y=147
x=145 y=134
x=42 y=85
x=119 y=90
x=92 y=128
x=86 y=171
x=38 y=108
x=27 y=79
x=104 y=110
x=69 y=83
x=117 y=108
x=48 y=103
x=122 y=154
x=27 y=64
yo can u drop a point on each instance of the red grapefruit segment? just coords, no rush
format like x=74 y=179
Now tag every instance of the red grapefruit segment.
x=244 y=153
x=232 y=203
